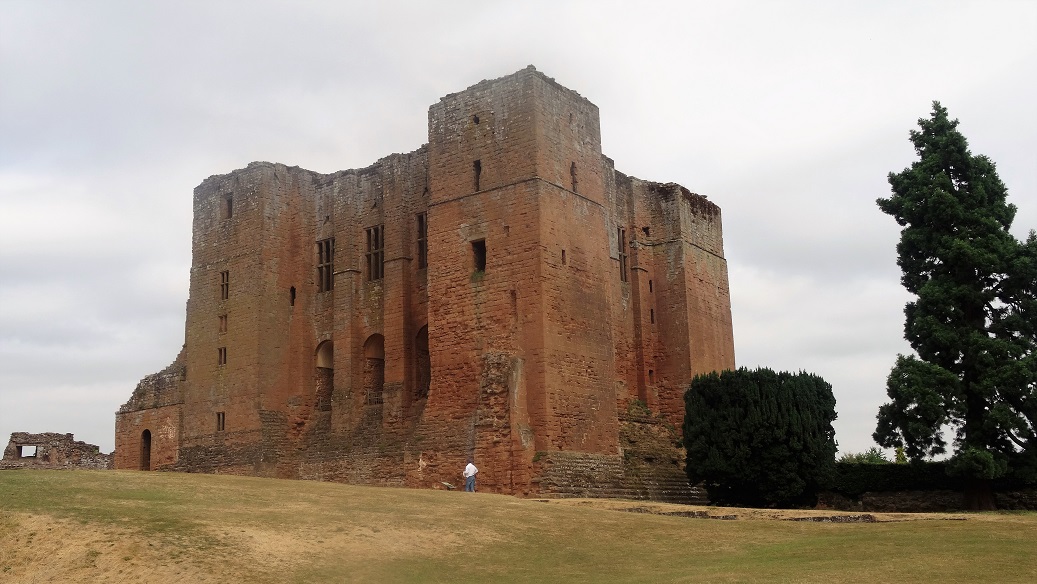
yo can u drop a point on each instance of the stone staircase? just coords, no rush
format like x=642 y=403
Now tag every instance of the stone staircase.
x=651 y=467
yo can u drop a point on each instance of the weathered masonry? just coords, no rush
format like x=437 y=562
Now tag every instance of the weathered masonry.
x=501 y=292
x=52 y=450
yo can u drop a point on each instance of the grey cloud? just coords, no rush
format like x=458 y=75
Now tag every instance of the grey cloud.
x=789 y=116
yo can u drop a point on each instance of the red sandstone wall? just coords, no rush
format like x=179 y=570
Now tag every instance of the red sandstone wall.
x=163 y=423
x=671 y=319
x=579 y=388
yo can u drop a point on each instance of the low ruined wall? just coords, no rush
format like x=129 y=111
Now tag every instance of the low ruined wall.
x=52 y=450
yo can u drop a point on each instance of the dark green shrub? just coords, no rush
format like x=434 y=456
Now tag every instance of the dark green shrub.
x=760 y=438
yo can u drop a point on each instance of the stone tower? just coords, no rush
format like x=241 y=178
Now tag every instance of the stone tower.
x=502 y=293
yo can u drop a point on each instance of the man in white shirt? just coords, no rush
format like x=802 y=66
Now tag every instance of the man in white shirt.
x=469 y=477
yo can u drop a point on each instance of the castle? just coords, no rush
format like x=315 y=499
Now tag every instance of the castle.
x=501 y=293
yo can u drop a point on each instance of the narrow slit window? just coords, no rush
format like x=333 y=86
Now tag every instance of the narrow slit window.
x=375 y=252
x=572 y=175
x=291 y=296
x=563 y=257
x=651 y=376
x=477 y=167
x=221 y=356
x=228 y=207
x=479 y=255
x=325 y=266
x=224 y=285
x=422 y=240
x=221 y=421
x=649 y=285
x=223 y=323
x=621 y=237
x=651 y=315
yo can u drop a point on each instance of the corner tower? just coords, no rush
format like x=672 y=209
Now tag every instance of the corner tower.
x=518 y=254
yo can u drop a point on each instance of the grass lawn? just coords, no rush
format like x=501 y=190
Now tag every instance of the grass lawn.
x=139 y=527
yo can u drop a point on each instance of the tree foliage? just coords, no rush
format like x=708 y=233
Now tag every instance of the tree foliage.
x=760 y=438
x=972 y=323
x=870 y=456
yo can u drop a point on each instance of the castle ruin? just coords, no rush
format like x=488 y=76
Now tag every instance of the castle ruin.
x=51 y=450
x=501 y=292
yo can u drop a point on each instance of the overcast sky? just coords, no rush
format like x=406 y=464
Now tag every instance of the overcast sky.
x=789 y=115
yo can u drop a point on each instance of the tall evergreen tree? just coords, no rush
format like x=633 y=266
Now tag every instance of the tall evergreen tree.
x=972 y=324
x=760 y=438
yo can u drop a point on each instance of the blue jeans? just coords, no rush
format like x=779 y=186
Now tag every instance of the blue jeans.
x=469 y=484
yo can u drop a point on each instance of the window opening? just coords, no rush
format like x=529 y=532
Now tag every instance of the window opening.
x=228 y=208
x=291 y=296
x=224 y=285
x=221 y=421
x=475 y=119
x=646 y=230
x=422 y=240
x=649 y=285
x=572 y=175
x=375 y=252
x=325 y=375
x=223 y=323
x=221 y=356
x=651 y=315
x=326 y=355
x=621 y=236
x=325 y=265
x=374 y=368
x=477 y=166
x=479 y=255
x=27 y=451
x=563 y=257
x=651 y=376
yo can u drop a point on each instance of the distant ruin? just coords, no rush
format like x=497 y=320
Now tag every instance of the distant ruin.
x=502 y=293
x=53 y=451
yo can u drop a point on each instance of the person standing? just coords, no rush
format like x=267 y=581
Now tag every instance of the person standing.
x=469 y=476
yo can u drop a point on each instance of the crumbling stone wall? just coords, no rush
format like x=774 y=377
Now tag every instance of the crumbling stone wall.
x=501 y=293
x=52 y=450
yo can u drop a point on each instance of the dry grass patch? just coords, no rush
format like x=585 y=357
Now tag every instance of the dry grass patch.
x=161 y=527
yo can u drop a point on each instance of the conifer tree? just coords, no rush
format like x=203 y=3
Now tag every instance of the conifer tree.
x=760 y=438
x=972 y=323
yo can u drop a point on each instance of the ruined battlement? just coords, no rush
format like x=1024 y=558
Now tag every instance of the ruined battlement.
x=499 y=292
x=159 y=389
x=51 y=450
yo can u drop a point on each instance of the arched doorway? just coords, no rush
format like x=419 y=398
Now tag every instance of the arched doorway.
x=145 y=450
x=324 y=381
x=374 y=368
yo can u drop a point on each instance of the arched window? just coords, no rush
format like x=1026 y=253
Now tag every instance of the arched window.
x=324 y=381
x=374 y=368
x=145 y=450
x=326 y=355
